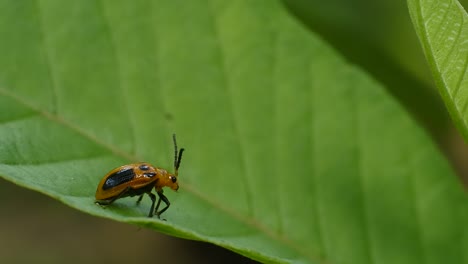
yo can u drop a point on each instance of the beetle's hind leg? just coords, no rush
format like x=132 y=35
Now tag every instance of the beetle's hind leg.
x=105 y=203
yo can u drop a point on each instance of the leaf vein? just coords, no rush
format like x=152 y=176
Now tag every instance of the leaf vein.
x=362 y=180
x=52 y=79
x=275 y=69
x=159 y=81
x=18 y=118
x=313 y=152
x=122 y=88
x=59 y=161
x=417 y=208
x=232 y=112
x=59 y=120
x=463 y=70
x=439 y=27
x=453 y=47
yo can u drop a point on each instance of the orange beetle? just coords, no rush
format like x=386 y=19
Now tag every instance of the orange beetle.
x=138 y=179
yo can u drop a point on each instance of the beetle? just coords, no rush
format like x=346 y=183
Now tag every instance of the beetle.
x=138 y=179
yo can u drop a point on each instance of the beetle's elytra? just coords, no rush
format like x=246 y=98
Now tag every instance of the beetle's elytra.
x=136 y=180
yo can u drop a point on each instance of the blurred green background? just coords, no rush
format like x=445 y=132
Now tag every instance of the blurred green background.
x=375 y=35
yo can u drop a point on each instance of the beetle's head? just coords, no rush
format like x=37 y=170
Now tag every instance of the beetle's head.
x=166 y=179
x=171 y=181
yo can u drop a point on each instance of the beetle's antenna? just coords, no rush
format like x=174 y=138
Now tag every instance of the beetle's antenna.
x=179 y=159
x=177 y=155
x=175 y=150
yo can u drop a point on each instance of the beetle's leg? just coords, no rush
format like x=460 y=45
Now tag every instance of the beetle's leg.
x=139 y=199
x=157 y=206
x=153 y=198
x=165 y=200
x=107 y=202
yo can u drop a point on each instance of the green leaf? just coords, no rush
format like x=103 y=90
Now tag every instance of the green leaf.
x=442 y=30
x=293 y=155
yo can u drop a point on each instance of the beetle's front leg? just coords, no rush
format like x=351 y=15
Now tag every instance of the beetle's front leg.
x=165 y=200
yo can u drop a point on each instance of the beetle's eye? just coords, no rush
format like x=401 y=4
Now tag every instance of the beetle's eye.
x=173 y=179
